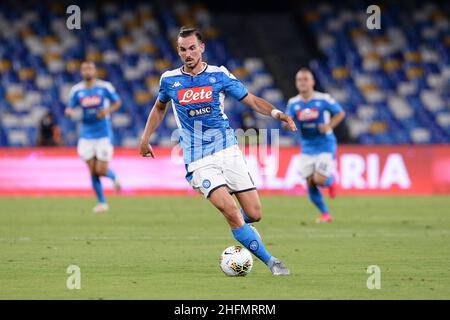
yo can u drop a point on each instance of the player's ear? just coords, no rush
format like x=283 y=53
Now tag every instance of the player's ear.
x=202 y=47
x=179 y=52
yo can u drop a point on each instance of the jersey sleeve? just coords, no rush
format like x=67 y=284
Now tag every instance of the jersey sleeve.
x=111 y=93
x=232 y=86
x=333 y=106
x=289 y=110
x=163 y=94
x=73 y=99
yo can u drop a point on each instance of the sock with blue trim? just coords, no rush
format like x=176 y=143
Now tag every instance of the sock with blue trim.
x=316 y=197
x=97 y=185
x=110 y=174
x=246 y=218
x=329 y=181
x=249 y=239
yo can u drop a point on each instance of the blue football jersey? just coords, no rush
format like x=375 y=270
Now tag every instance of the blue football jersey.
x=91 y=100
x=308 y=115
x=198 y=107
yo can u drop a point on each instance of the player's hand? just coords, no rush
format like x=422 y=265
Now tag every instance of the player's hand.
x=324 y=128
x=102 y=113
x=69 y=112
x=145 y=149
x=287 y=121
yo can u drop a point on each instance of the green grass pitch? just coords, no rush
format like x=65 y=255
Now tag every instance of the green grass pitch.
x=168 y=248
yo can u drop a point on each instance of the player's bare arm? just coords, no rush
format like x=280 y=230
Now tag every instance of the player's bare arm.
x=104 y=112
x=262 y=106
x=69 y=112
x=334 y=121
x=154 y=119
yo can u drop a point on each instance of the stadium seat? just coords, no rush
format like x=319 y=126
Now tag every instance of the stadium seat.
x=393 y=75
x=404 y=64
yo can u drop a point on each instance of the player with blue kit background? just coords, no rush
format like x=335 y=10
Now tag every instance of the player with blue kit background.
x=214 y=163
x=98 y=99
x=316 y=115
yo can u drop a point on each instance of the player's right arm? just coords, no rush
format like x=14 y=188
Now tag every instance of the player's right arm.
x=69 y=112
x=154 y=119
x=70 y=109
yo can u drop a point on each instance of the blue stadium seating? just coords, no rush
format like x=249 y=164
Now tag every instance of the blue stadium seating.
x=394 y=82
x=411 y=50
x=131 y=43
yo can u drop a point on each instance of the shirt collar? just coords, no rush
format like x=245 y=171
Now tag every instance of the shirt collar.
x=310 y=99
x=188 y=74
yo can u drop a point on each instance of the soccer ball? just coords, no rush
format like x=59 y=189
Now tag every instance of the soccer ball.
x=236 y=261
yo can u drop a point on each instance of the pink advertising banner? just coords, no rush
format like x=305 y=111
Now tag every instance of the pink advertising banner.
x=360 y=170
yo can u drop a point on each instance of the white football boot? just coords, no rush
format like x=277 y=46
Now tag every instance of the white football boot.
x=101 y=207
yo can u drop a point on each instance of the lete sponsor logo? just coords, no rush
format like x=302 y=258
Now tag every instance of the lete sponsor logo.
x=90 y=101
x=195 y=95
x=308 y=114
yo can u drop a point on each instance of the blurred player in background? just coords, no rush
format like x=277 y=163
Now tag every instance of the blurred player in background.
x=214 y=163
x=98 y=99
x=316 y=114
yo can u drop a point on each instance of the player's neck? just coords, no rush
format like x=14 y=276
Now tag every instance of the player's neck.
x=196 y=70
x=307 y=95
x=89 y=83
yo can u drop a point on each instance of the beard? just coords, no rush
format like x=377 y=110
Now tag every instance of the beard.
x=192 y=62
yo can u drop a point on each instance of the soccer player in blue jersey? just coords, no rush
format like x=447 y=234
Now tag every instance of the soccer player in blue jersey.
x=214 y=163
x=316 y=115
x=98 y=99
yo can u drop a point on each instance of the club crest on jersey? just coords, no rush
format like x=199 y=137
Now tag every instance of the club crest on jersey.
x=195 y=95
x=308 y=114
x=199 y=111
x=90 y=101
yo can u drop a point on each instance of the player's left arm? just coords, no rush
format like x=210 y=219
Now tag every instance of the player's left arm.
x=266 y=108
x=235 y=88
x=114 y=98
x=104 y=112
x=338 y=114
